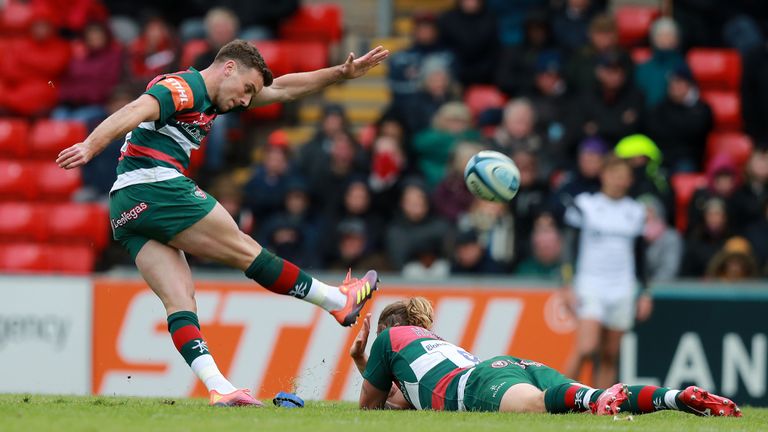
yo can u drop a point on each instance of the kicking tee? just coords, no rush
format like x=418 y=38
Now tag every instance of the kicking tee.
x=606 y=253
x=431 y=373
x=160 y=150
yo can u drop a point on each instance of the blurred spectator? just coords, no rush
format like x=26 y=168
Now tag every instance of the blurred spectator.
x=495 y=229
x=333 y=121
x=31 y=66
x=603 y=39
x=353 y=248
x=723 y=180
x=154 y=52
x=437 y=89
x=517 y=133
x=260 y=19
x=285 y=237
x=415 y=227
x=571 y=24
x=700 y=21
x=651 y=76
x=754 y=93
x=93 y=73
x=357 y=204
x=756 y=233
x=389 y=166
x=230 y=195
x=451 y=197
x=427 y=263
x=518 y=62
x=529 y=202
x=735 y=262
x=649 y=177
x=749 y=198
x=614 y=109
x=584 y=179
x=511 y=18
x=75 y=15
x=452 y=123
x=546 y=250
x=330 y=173
x=665 y=246
x=681 y=122
x=470 y=31
x=553 y=103
x=471 y=257
x=405 y=67
x=299 y=222
x=706 y=238
x=264 y=193
x=221 y=26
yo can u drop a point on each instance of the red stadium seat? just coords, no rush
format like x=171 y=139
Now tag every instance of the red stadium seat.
x=77 y=259
x=22 y=221
x=735 y=144
x=54 y=183
x=314 y=55
x=14 y=137
x=191 y=50
x=634 y=22
x=17 y=180
x=23 y=257
x=726 y=108
x=76 y=223
x=49 y=137
x=277 y=56
x=715 y=69
x=684 y=185
x=482 y=97
x=314 y=22
x=641 y=55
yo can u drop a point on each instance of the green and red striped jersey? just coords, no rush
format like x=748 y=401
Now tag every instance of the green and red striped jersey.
x=160 y=150
x=431 y=372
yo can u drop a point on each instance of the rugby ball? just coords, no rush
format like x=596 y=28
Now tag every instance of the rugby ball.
x=492 y=176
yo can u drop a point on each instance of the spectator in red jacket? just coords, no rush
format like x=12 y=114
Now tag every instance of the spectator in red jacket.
x=31 y=66
x=93 y=73
x=154 y=52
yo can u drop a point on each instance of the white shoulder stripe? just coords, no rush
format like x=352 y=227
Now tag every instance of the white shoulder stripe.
x=422 y=365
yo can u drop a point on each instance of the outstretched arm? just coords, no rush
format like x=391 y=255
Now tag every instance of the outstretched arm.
x=297 y=85
x=124 y=120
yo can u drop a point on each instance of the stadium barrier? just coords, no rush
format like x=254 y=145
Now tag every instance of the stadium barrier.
x=108 y=336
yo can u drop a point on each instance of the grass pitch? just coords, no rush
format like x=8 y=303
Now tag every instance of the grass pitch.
x=67 y=413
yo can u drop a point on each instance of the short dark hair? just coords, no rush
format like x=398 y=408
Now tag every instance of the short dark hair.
x=245 y=54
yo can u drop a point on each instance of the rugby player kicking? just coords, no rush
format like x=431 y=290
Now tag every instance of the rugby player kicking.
x=430 y=373
x=158 y=214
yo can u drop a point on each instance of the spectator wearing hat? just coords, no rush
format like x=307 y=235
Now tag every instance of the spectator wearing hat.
x=615 y=108
x=664 y=250
x=734 y=263
x=414 y=227
x=651 y=76
x=470 y=31
x=681 y=122
x=706 y=237
x=518 y=62
x=571 y=24
x=405 y=67
x=433 y=147
x=584 y=179
x=603 y=39
x=353 y=249
x=470 y=257
x=546 y=250
x=649 y=177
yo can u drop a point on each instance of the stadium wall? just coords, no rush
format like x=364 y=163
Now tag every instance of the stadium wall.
x=108 y=336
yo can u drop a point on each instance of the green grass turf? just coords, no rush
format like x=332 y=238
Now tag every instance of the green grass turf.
x=67 y=413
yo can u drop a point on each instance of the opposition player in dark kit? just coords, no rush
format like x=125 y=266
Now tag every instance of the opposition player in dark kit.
x=158 y=214
x=410 y=367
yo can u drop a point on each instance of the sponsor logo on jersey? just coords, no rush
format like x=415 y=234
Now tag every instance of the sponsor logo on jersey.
x=180 y=89
x=498 y=364
x=199 y=193
x=129 y=215
x=496 y=388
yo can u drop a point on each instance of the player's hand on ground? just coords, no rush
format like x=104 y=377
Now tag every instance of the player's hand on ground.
x=357 y=350
x=644 y=307
x=74 y=156
x=357 y=67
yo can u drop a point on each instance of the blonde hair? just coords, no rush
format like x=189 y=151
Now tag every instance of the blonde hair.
x=417 y=311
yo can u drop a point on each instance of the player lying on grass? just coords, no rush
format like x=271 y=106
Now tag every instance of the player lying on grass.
x=158 y=214
x=430 y=373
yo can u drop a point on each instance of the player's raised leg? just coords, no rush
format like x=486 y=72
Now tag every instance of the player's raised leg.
x=166 y=271
x=218 y=238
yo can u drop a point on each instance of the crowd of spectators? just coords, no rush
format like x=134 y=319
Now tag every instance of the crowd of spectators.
x=394 y=198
